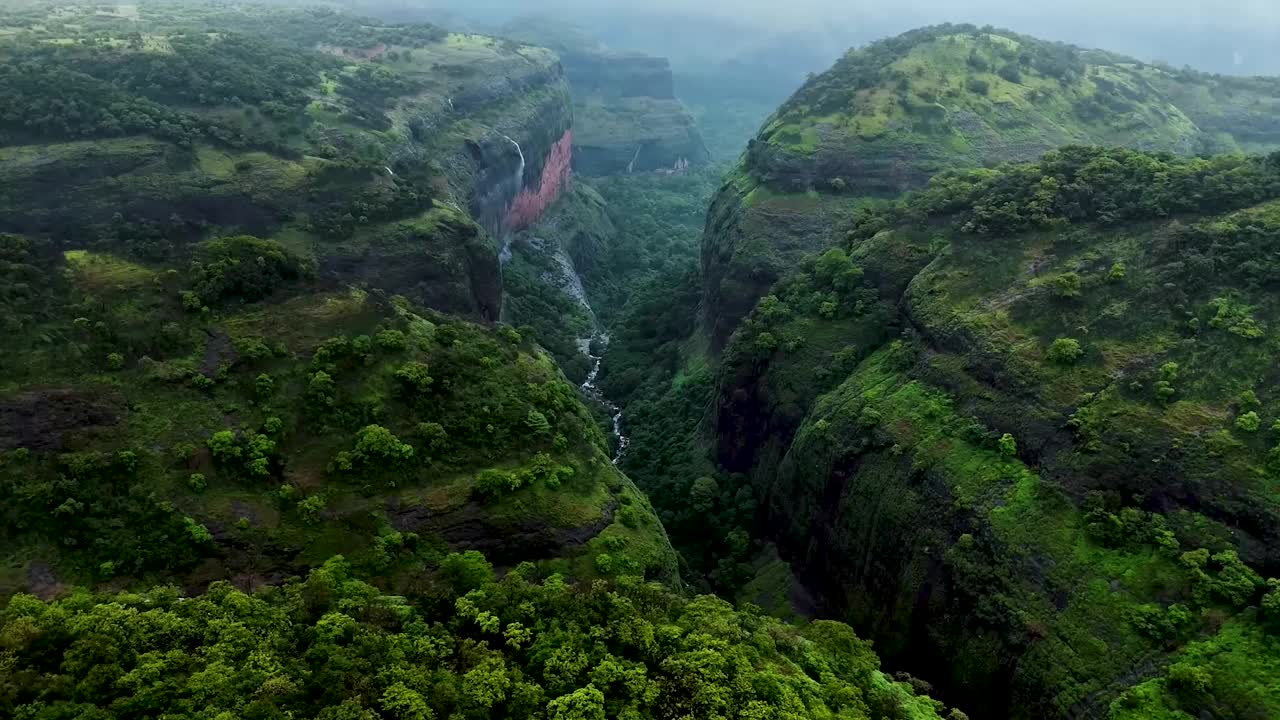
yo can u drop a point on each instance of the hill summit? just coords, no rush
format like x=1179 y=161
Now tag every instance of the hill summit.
x=887 y=117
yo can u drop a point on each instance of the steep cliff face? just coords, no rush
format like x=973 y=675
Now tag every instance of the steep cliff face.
x=619 y=75
x=629 y=119
x=753 y=235
x=1012 y=434
x=888 y=117
x=386 y=139
x=500 y=130
x=636 y=134
x=441 y=258
x=493 y=126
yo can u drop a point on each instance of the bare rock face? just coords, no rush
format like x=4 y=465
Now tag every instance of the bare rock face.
x=42 y=419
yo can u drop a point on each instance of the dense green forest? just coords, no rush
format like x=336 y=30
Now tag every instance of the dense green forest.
x=528 y=646
x=363 y=369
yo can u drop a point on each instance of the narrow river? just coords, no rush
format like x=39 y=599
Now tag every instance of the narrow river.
x=601 y=340
x=567 y=280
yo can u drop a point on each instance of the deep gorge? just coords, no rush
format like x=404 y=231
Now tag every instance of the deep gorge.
x=360 y=369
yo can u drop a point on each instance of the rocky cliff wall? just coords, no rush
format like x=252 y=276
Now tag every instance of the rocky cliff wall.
x=998 y=515
x=619 y=76
x=502 y=141
x=628 y=118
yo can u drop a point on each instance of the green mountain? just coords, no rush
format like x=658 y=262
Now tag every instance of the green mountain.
x=889 y=116
x=326 y=382
x=185 y=400
x=333 y=134
x=1018 y=429
x=1015 y=426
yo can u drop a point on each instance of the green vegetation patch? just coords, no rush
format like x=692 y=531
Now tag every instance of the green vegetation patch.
x=531 y=645
x=1028 y=380
x=312 y=423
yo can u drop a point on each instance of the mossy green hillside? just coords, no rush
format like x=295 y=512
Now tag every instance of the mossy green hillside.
x=155 y=427
x=1239 y=661
x=753 y=235
x=1022 y=423
x=889 y=116
x=899 y=110
x=211 y=375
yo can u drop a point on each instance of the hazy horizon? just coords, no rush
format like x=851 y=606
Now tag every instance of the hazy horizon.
x=1233 y=36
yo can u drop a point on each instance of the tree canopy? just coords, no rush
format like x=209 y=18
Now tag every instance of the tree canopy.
x=334 y=647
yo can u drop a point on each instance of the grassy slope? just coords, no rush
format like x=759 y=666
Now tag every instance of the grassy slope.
x=1037 y=109
x=973 y=97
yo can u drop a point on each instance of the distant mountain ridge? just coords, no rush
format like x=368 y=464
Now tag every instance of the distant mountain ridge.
x=626 y=113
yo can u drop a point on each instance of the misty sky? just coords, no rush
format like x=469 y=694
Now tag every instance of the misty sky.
x=1238 y=36
x=808 y=13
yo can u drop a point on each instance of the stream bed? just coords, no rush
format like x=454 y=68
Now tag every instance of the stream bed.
x=601 y=340
x=593 y=344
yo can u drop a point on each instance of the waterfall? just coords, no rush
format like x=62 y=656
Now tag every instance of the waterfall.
x=601 y=338
x=519 y=170
x=517 y=183
x=631 y=166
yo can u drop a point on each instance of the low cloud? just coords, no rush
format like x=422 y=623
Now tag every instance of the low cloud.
x=1219 y=35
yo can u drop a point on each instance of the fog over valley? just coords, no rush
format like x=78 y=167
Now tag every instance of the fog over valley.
x=1233 y=36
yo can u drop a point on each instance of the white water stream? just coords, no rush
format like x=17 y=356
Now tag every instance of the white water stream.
x=601 y=339
x=517 y=182
x=570 y=283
